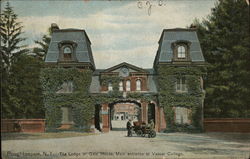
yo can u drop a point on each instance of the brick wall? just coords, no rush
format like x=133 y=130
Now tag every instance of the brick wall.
x=22 y=125
x=227 y=125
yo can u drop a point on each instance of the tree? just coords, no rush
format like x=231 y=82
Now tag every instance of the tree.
x=11 y=39
x=20 y=86
x=25 y=88
x=43 y=46
x=225 y=40
x=11 y=48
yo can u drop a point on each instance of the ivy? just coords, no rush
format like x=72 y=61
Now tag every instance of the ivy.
x=80 y=100
x=169 y=98
x=105 y=79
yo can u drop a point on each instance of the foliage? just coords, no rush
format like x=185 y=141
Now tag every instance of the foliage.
x=225 y=39
x=20 y=87
x=10 y=32
x=105 y=79
x=43 y=46
x=169 y=98
x=80 y=101
x=24 y=89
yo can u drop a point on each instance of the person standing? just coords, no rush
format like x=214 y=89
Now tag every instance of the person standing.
x=129 y=127
x=152 y=124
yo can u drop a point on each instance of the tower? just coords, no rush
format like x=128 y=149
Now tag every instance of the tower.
x=180 y=65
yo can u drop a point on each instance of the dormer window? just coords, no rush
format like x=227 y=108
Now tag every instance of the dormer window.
x=67 y=53
x=181 y=51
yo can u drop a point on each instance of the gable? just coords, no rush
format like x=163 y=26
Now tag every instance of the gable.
x=121 y=67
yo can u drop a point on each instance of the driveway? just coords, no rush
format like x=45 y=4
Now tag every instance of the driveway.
x=116 y=145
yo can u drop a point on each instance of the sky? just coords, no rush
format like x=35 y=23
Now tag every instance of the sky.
x=119 y=30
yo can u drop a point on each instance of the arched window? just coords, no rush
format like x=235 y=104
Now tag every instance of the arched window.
x=67 y=50
x=138 y=85
x=110 y=88
x=121 y=86
x=128 y=85
x=67 y=53
x=181 y=52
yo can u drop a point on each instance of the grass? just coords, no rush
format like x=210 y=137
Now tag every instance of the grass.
x=34 y=136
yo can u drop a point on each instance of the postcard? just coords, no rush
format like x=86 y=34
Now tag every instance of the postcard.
x=125 y=79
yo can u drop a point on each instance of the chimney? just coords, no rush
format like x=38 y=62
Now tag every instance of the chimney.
x=192 y=26
x=54 y=27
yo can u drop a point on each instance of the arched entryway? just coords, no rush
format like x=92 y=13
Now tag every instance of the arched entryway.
x=121 y=111
x=105 y=113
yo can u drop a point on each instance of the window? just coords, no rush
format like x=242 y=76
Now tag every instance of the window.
x=121 y=86
x=181 y=115
x=110 y=88
x=67 y=87
x=66 y=115
x=181 y=84
x=181 y=52
x=138 y=85
x=128 y=85
x=67 y=53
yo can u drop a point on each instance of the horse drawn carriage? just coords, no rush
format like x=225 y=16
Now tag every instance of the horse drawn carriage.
x=141 y=129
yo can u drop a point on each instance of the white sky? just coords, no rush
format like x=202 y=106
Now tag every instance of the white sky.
x=119 y=30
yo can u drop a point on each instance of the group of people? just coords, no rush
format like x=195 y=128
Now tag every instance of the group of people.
x=151 y=125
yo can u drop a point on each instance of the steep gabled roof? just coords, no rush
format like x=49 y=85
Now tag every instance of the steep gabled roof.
x=126 y=65
x=169 y=36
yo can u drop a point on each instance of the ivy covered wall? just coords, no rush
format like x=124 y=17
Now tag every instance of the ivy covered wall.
x=80 y=100
x=169 y=98
x=83 y=103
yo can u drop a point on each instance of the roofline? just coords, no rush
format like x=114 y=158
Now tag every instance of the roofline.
x=180 y=29
x=125 y=63
x=74 y=30
x=176 y=29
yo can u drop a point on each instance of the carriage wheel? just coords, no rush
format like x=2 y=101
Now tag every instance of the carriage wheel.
x=152 y=134
x=139 y=133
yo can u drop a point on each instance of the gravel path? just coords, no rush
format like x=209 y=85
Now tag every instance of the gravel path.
x=116 y=145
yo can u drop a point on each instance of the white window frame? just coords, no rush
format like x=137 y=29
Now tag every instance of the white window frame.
x=110 y=87
x=181 y=51
x=138 y=85
x=181 y=85
x=128 y=85
x=120 y=86
x=181 y=115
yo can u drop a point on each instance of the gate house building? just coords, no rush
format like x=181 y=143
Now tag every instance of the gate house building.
x=177 y=47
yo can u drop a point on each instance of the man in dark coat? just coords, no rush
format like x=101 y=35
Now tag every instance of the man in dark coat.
x=129 y=127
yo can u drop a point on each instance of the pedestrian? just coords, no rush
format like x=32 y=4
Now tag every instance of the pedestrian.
x=129 y=127
x=152 y=124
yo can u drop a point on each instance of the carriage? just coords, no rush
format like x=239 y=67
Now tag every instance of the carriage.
x=141 y=129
